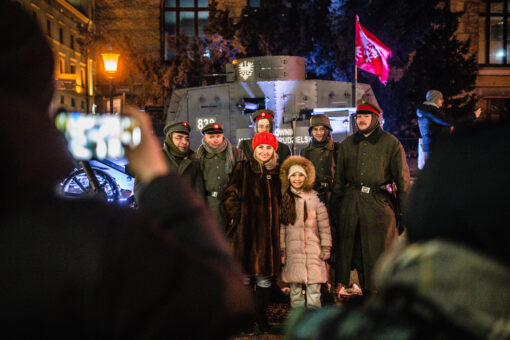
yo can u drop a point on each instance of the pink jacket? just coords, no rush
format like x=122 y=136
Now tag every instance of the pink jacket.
x=304 y=240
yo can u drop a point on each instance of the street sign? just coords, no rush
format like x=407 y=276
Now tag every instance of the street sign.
x=66 y=85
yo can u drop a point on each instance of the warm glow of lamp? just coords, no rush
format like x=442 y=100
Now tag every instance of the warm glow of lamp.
x=110 y=62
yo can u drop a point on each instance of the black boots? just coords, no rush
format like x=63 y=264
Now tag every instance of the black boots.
x=262 y=296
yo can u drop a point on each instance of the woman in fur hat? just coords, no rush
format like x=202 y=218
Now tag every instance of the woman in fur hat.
x=305 y=234
x=251 y=204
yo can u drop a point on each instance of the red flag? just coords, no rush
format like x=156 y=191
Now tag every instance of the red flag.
x=371 y=54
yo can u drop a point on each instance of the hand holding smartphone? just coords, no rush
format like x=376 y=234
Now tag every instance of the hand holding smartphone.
x=98 y=136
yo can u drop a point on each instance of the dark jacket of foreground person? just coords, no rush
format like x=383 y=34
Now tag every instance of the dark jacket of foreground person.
x=82 y=269
x=451 y=280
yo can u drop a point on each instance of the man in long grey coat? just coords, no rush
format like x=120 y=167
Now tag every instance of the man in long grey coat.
x=367 y=163
x=217 y=158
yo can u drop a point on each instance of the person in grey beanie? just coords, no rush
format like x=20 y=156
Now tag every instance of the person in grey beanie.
x=435 y=124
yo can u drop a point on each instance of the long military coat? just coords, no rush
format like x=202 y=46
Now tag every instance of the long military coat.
x=283 y=150
x=216 y=177
x=369 y=162
x=251 y=204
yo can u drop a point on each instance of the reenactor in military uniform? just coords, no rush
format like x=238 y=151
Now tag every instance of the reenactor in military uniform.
x=367 y=163
x=179 y=156
x=217 y=158
x=263 y=121
x=322 y=152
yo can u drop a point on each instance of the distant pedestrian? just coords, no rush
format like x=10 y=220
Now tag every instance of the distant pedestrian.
x=435 y=124
x=252 y=204
x=217 y=158
x=305 y=235
x=263 y=121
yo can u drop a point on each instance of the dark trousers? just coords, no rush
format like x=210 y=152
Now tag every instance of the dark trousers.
x=357 y=258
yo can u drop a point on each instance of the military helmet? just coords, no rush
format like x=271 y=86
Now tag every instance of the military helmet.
x=319 y=120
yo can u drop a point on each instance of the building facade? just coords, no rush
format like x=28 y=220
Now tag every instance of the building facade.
x=62 y=22
x=487 y=24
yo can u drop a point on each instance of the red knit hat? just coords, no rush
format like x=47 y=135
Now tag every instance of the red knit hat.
x=264 y=138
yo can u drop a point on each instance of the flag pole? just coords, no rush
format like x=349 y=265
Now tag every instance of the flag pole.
x=355 y=83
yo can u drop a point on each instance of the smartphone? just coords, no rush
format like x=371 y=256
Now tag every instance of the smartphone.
x=98 y=136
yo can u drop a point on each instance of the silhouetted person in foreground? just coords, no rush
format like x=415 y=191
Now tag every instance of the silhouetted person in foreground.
x=81 y=269
x=451 y=280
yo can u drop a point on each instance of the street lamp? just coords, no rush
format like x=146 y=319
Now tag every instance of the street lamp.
x=110 y=65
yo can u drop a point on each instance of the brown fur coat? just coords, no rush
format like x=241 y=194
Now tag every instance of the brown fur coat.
x=251 y=203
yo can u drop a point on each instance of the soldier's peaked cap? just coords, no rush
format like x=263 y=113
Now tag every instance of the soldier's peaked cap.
x=262 y=114
x=182 y=127
x=366 y=107
x=212 y=128
x=319 y=120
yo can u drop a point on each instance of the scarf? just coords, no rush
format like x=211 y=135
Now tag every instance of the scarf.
x=224 y=151
x=444 y=273
x=173 y=150
x=328 y=144
x=372 y=138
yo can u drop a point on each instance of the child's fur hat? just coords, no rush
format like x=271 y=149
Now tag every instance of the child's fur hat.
x=305 y=164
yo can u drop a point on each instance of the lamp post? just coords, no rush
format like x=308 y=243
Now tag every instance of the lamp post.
x=110 y=65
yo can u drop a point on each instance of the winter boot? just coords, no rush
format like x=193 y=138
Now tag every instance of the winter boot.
x=262 y=296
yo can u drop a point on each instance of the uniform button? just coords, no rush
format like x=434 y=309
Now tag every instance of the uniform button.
x=361 y=183
x=268 y=176
x=217 y=167
x=218 y=177
x=362 y=163
x=361 y=174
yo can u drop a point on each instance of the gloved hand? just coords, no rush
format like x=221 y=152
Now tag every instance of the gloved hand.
x=322 y=193
x=283 y=256
x=325 y=255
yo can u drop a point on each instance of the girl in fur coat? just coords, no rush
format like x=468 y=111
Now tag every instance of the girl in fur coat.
x=305 y=234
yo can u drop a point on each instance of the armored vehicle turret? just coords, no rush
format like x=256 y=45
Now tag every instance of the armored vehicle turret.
x=277 y=83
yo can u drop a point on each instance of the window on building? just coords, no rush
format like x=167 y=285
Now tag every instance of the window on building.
x=73 y=69
x=61 y=35
x=254 y=3
x=62 y=65
x=73 y=103
x=496 y=109
x=186 y=17
x=62 y=100
x=494 y=32
x=82 y=77
x=82 y=105
x=71 y=41
x=48 y=27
